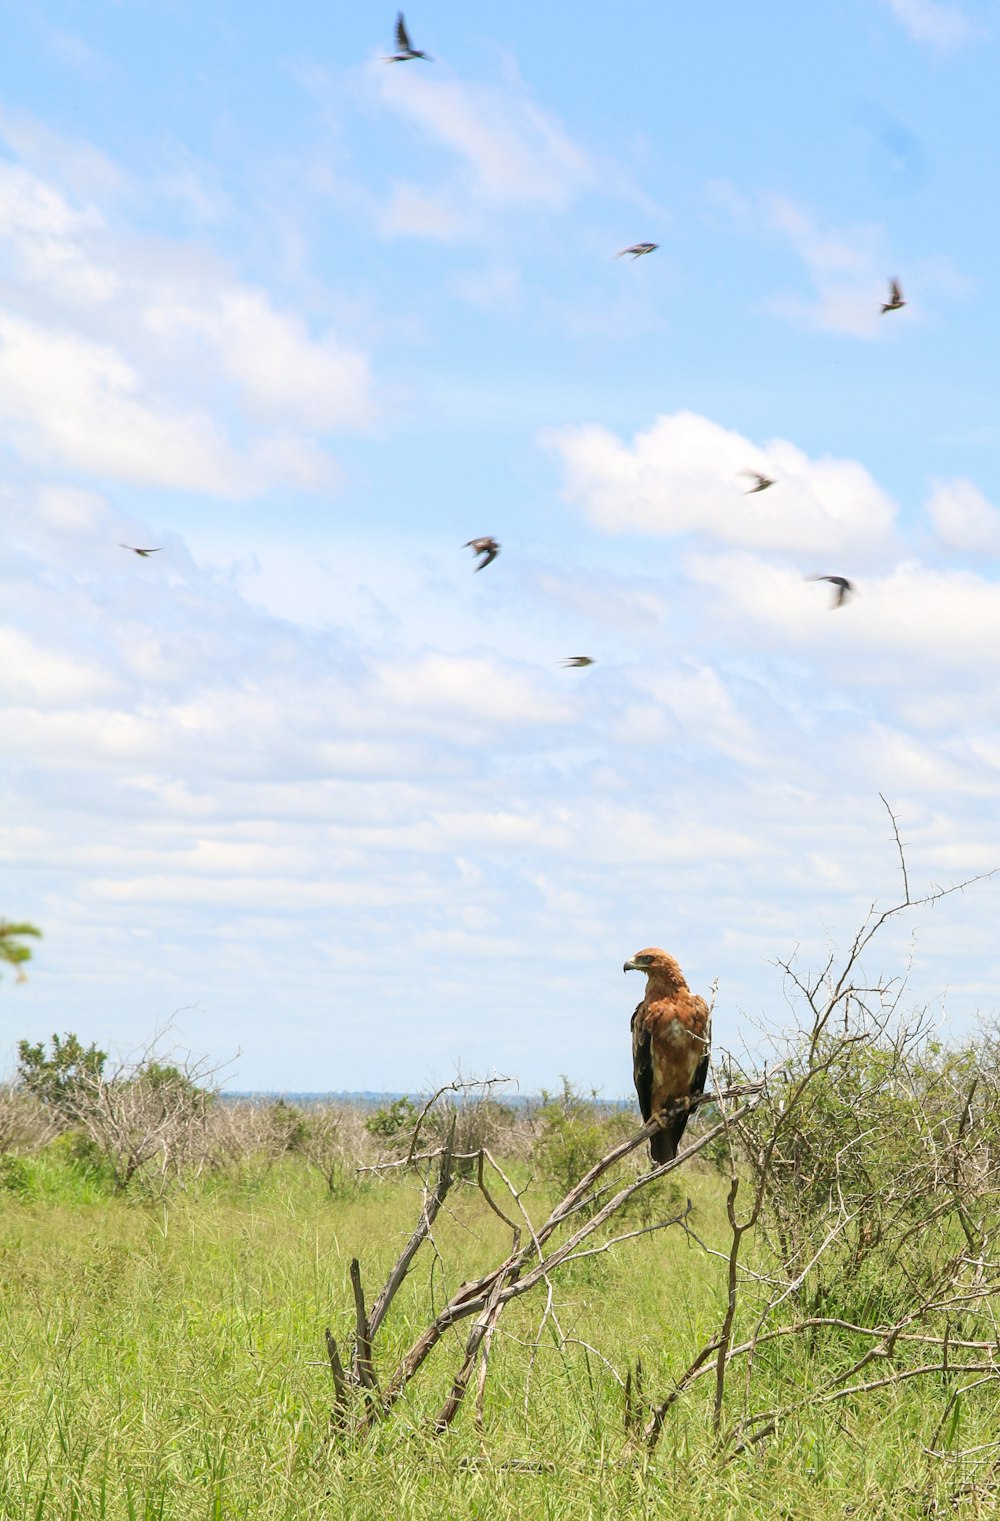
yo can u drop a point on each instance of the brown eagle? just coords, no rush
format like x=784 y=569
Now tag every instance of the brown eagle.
x=671 y=1030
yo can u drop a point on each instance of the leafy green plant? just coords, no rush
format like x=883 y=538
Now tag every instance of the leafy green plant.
x=11 y=950
x=392 y=1120
x=58 y=1076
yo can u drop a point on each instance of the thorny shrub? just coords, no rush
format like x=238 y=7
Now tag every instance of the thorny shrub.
x=881 y=1169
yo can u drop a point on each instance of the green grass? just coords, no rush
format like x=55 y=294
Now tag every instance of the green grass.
x=166 y=1363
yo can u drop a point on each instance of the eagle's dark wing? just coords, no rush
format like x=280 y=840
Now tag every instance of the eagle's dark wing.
x=896 y=293
x=402 y=40
x=642 y=1064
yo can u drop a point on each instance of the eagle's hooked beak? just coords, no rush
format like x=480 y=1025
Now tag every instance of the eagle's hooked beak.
x=630 y=966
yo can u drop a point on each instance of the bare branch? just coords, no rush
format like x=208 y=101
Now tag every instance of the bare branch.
x=899 y=847
x=363 y=1367
x=432 y=1204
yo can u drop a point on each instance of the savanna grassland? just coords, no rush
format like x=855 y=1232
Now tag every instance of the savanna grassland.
x=162 y=1337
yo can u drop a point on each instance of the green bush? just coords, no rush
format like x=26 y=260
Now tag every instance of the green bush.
x=392 y=1120
x=58 y=1076
x=289 y=1126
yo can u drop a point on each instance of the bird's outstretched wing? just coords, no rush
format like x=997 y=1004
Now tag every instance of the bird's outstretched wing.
x=402 y=37
x=642 y=1064
x=895 y=292
x=842 y=588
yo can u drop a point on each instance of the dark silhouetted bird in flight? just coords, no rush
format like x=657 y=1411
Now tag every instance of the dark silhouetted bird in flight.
x=895 y=300
x=487 y=547
x=579 y=660
x=406 y=48
x=637 y=250
x=763 y=481
x=141 y=551
x=844 y=588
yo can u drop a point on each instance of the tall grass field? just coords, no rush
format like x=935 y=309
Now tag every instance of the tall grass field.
x=162 y=1357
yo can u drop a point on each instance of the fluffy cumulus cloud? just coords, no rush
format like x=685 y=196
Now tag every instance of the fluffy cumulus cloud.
x=283 y=372
x=963 y=519
x=142 y=361
x=684 y=475
x=44 y=240
x=68 y=401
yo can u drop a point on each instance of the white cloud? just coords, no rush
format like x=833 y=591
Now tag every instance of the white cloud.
x=509 y=151
x=45 y=237
x=514 y=152
x=963 y=519
x=682 y=476
x=69 y=511
x=68 y=401
x=914 y=615
x=69 y=159
x=468 y=688
x=942 y=26
x=601 y=597
x=694 y=705
x=31 y=673
x=125 y=381
x=849 y=269
x=282 y=371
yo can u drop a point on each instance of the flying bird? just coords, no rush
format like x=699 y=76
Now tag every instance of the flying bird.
x=843 y=591
x=406 y=49
x=637 y=250
x=763 y=481
x=487 y=547
x=895 y=300
x=140 y=551
x=579 y=660
x=671 y=1030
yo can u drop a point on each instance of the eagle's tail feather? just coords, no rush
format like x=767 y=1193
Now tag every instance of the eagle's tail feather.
x=662 y=1146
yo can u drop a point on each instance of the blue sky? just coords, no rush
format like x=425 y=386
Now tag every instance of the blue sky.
x=305 y=785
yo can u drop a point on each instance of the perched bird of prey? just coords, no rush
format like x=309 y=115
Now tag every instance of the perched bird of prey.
x=578 y=660
x=671 y=1030
x=140 y=551
x=843 y=591
x=763 y=481
x=406 y=49
x=895 y=300
x=487 y=547
x=637 y=250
